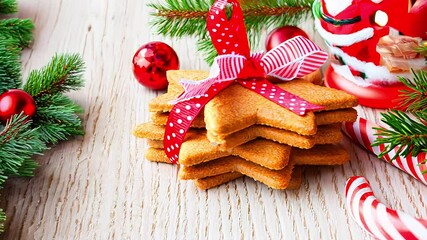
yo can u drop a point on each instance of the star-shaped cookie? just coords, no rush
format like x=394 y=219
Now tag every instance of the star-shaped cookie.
x=236 y=108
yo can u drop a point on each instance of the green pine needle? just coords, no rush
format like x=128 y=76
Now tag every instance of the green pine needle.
x=207 y=49
x=415 y=98
x=3 y=177
x=19 y=30
x=180 y=18
x=188 y=18
x=2 y=220
x=10 y=65
x=57 y=118
x=406 y=134
x=28 y=166
x=62 y=74
x=408 y=130
x=423 y=50
x=18 y=143
x=266 y=14
x=8 y=6
x=56 y=115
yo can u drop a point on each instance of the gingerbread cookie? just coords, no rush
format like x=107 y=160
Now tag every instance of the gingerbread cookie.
x=327 y=134
x=322 y=118
x=197 y=148
x=214 y=181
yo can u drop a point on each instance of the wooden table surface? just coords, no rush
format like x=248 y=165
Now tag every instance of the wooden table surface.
x=100 y=186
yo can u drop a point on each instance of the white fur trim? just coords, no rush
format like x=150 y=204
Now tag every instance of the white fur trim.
x=335 y=7
x=373 y=73
x=377 y=1
x=345 y=71
x=344 y=40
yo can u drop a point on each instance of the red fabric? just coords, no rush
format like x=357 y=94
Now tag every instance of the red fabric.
x=294 y=58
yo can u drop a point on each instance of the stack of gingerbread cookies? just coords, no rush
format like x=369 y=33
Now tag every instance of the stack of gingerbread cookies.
x=240 y=133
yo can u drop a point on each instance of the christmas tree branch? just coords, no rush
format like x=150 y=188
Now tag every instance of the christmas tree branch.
x=423 y=50
x=259 y=14
x=2 y=220
x=56 y=115
x=57 y=118
x=20 y=30
x=188 y=18
x=415 y=99
x=406 y=134
x=62 y=74
x=408 y=130
x=18 y=143
x=3 y=177
x=180 y=18
x=8 y=6
x=10 y=65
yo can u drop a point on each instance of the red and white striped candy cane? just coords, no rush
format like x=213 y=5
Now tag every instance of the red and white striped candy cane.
x=376 y=218
x=362 y=132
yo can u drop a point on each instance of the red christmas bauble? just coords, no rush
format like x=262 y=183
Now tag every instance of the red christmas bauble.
x=281 y=34
x=151 y=62
x=16 y=101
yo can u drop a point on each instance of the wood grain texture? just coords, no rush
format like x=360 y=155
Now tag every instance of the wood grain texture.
x=100 y=187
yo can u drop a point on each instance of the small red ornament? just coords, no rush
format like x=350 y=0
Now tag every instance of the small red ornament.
x=16 y=101
x=151 y=62
x=281 y=34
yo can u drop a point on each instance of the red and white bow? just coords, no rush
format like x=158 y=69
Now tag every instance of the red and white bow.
x=294 y=58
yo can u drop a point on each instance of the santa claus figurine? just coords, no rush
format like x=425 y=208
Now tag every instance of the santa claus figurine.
x=372 y=42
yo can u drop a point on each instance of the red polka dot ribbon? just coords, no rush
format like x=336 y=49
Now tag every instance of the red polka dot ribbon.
x=292 y=59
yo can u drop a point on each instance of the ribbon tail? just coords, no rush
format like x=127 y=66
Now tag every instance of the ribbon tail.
x=193 y=89
x=182 y=116
x=280 y=96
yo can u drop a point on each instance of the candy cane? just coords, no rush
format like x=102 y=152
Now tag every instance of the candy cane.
x=377 y=219
x=362 y=132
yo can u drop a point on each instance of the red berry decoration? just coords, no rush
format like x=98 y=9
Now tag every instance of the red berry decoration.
x=281 y=34
x=16 y=101
x=151 y=62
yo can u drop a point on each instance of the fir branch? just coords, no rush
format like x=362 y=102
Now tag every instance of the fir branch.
x=407 y=135
x=207 y=49
x=57 y=118
x=10 y=65
x=2 y=220
x=180 y=18
x=259 y=14
x=28 y=166
x=62 y=74
x=8 y=6
x=415 y=99
x=423 y=50
x=3 y=177
x=18 y=143
x=188 y=18
x=19 y=30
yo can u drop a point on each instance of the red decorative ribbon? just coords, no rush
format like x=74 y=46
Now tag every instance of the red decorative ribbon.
x=292 y=59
